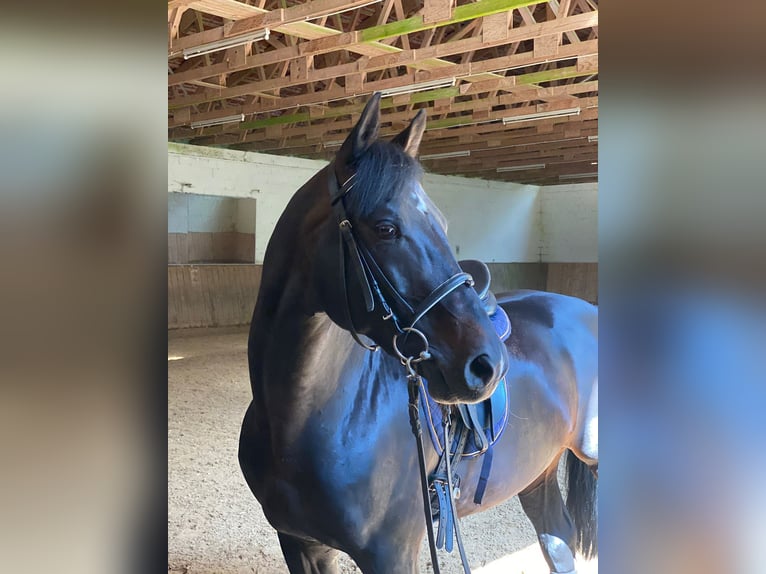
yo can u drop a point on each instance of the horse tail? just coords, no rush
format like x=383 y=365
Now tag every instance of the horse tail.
x=581 y=504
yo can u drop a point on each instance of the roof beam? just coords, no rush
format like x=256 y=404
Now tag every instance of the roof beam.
x=320 y=115
x=462 y=13
x=414 y=58
x=466 y=71
x=399 y=59
x=274 y=19
x=506 y=142
x=435 y=127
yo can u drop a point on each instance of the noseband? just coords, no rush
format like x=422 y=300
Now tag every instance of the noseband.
x=374 y=283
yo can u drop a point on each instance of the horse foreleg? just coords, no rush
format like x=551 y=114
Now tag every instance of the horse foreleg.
x=307 y=557
x=385 y=556
x=543 y=504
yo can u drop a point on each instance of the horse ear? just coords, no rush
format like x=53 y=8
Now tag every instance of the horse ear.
x=409 y=138
x=365 y=132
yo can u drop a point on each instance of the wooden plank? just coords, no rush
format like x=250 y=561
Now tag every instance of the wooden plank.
x=488 y=159
x=172 y=300
x=319 y=130
x=495 y=27
x=229 y=277
x=547 y=46
x=221 y=295
x=201 y=309
x=561 y=10
x=430 y=135
x=209 y=289
x=174 y=20
x=435 y=138
x=184 y=296
x=258 y=20
x=239 y=277
x=391 y=57
x=575 y=279
x=245 y=278
x=349 y=42
x=437 y=11
x=481 y=67
x=460 y=14
x=230 y=9
x=588 y=64
x=175 y=282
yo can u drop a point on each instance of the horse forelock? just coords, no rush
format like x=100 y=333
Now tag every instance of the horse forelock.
x=383 y=172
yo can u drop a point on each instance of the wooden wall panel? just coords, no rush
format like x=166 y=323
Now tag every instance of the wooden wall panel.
x=576 y=279
x=177 y=248
x=224 y=295
x=244 y=250
x=510 y=276
x=219 y=247
x=211 y=295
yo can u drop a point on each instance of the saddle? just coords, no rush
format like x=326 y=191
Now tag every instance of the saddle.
x=475 y=427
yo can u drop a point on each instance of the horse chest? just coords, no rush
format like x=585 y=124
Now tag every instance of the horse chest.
x=329 y=477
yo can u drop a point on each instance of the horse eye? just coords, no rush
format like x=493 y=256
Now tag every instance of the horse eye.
x=386 y=230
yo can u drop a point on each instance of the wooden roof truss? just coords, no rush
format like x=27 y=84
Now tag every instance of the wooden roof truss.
x=469 y=64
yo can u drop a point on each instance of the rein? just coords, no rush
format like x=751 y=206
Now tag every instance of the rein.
x=403 y=316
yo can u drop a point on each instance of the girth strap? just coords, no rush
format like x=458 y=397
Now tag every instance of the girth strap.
x=471 y=420
x=486 y=467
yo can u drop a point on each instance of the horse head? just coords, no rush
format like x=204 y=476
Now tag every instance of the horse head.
x=394 y=278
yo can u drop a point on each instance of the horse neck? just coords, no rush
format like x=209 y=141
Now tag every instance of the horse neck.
x=296 y=353
x=308 y=366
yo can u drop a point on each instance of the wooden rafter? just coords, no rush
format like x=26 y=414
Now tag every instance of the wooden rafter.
x=306 y=85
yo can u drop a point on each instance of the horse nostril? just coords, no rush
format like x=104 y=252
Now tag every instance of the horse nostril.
x=481 y=367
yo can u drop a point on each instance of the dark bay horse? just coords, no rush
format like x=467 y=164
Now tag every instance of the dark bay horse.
x=326 y=445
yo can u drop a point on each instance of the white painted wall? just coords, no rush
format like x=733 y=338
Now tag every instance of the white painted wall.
x=212 y=214
x=569 y=220
x=178 y=213
x=489 y=220
x=246 y=214
x=191 y=213
x=269 y=179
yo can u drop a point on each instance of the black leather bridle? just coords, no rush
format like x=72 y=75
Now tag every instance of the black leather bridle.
x=371 y=278
x=375 y=286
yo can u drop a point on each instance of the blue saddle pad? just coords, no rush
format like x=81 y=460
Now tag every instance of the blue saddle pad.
x=501 y=323
x=494 y=426
x=492 y=411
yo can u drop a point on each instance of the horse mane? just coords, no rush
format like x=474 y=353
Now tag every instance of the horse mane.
x=383 y=170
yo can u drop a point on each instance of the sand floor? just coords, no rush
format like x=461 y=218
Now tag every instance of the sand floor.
x=215 y=524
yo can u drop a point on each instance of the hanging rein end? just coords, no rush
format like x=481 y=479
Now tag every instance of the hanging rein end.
x=412 y=388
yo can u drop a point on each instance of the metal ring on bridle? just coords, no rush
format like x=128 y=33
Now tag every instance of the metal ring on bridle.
x=424 y=355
